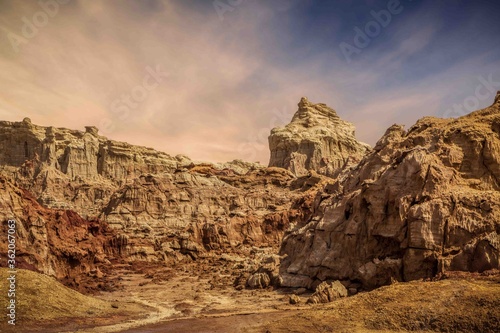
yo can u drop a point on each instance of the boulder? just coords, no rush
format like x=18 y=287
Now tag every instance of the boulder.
x=328 y=292
x=259 y=281
x=294 y=299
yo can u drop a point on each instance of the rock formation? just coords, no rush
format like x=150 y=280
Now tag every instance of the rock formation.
x=55 y=242
x=266 y=275
x=84 y=155
x=328 y=292
x=424 y=201
x=316 y=139
x=199 y=209
x=145 y=205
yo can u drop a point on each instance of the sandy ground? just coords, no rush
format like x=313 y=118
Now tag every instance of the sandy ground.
x=205 y=301
x=184 y=299
x=461 y=303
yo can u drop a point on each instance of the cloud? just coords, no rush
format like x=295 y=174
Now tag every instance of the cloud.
x=229 y=82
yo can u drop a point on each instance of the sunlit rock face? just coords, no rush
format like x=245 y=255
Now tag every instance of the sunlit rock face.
x=421 y=202
x=424 y=201
x=157 y=208
x=316 y=139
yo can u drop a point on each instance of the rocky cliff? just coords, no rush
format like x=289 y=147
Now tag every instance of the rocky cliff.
x=76 y=154
x=147 y=206
x=424 y=201
x=55 y=242
x=316 y=139
x=70 y=169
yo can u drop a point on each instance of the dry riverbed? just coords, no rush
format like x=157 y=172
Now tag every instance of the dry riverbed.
x=180 y=301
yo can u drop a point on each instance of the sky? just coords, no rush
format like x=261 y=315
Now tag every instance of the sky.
x=210 y=79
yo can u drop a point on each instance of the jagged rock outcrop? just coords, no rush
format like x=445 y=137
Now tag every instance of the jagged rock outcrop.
x=55 y=242
x=424 y=201
x=76 y=154
x=200 y=209
x=266 y=275
x=316 y=139
x=157 y=208
x=69 y=169
x=421 y=202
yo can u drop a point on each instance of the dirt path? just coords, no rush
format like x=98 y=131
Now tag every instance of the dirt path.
x=452 y=305
x=221 y=324
x=184 y=301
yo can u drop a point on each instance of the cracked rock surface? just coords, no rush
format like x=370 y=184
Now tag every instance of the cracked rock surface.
x=424 y=201
x=316 y=139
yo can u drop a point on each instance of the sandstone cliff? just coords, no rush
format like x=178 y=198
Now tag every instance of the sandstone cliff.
x=78 y=154
x=146 y=205
x=316 y=139
x=424 y=201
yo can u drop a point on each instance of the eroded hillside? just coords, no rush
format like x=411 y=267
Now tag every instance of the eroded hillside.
x=423 y=202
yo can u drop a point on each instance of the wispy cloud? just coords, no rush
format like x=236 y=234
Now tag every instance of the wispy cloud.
x=227 y=78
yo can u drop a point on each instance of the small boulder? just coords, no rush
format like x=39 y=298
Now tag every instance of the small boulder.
x=328 y=292
x=353 y=291
x=300 y=291
x=294 y=299
x=258 y=281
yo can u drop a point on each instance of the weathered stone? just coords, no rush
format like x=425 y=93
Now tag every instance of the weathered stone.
x=300 y=291
x=316 y=139
x=328 y=292
x=259 y=281
x=156 y=207
x=423 y=202
x=294 y=299
x=57 y=243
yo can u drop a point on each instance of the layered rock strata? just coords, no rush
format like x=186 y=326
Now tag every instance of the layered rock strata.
x=154 y=207
x=56 y=242
x=316 y=139
x=424 y=201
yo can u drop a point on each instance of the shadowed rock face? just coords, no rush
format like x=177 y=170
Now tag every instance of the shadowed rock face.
x=56 y=242
x=316 y=139
x=423 y=201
